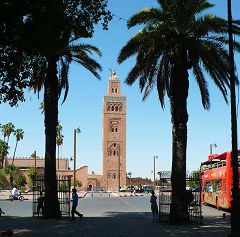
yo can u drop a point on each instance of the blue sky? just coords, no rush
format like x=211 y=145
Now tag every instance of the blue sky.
x=148 y=126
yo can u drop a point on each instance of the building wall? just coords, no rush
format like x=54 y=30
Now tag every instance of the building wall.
x=29 y=161
x=138 y=182
x=114 y=136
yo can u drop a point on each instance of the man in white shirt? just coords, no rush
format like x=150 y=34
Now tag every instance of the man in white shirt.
x=15 y=192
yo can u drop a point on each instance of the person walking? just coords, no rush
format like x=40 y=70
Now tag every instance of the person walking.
x=40 y=203
x=154 y=206
x=75 y=204
x=1 y=211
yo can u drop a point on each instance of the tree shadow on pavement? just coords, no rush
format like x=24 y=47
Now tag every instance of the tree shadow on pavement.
x=112 y=224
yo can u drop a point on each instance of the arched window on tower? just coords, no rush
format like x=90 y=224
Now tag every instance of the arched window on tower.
x=112 y=90
x=120 y=108
x=109 y=175
x=116 y=108
x=116 y=90
x=108 y=108
x=114 y=153
x=112 y=108
x=114 y=176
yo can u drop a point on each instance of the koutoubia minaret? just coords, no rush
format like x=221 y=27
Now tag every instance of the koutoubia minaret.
x=114 y=135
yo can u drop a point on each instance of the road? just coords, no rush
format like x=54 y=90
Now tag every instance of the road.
x=99 y=204
x=110 y=217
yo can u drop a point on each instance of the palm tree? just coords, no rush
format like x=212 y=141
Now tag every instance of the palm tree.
x=12 y=171
x=19 y=136
x=53 y=84
x=178 y=37
x=7 y=129
x=3 y=151
x=67 y=22
x=59 y=139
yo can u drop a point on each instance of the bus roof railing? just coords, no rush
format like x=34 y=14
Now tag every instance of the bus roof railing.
x=212 y=165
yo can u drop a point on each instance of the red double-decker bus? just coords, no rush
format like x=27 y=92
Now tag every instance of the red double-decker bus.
x=217 y=180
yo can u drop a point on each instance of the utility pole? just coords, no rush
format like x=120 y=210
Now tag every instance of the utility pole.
x=235 y=202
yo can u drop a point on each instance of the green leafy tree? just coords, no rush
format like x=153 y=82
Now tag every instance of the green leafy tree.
x=16 y=66
x=3 y=151
x=3 y=179
x=78 y=183
x=12 y=171
x=53 y=30
x=32 y=171
x=20 y=181
x=178 y=37
x=19 y=136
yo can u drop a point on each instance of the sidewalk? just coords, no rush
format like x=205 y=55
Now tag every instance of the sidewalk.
x=4 y=195
x=114 y=225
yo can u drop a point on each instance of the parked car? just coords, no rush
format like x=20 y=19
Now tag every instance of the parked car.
x=127 y=189
x=148 y=188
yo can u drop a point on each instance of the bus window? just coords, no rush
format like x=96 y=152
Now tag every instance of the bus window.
x=208 y=187
x=217 y=185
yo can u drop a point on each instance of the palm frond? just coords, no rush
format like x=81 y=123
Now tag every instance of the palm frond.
x=202 y=84
x=145 y=16
x=132 y=46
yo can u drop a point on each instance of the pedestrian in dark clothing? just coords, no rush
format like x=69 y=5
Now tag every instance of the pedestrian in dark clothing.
x=154 y=206
x=75 y=204
x=40 y=203
x=1 y=211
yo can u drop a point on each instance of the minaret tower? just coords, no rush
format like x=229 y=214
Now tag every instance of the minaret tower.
x=114 y=136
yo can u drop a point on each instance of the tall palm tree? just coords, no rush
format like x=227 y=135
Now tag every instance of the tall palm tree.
x=3 y=151
x=178 y=37
x=19 y=136
x=54 y=82
x=7 y=130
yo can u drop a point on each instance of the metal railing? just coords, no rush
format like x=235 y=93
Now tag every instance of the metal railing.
x=193 y=182
x=64 y=195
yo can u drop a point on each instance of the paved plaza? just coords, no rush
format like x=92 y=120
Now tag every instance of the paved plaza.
x=110 y=217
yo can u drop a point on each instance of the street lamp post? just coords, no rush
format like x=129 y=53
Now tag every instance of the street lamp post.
x=235 y=202
x=211 y=146
x=76 y=130
x=154 y=167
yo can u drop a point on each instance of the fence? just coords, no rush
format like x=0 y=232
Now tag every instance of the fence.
x=193 y=183
x=63 y=189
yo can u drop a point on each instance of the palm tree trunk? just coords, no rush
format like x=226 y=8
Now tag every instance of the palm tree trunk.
x=179 y=86
x=52 y=208
x=14 y=152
